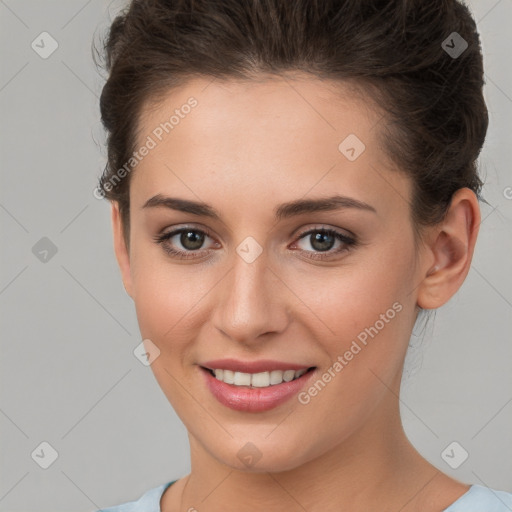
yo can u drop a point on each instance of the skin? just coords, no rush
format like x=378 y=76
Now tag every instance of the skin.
x=246 y=148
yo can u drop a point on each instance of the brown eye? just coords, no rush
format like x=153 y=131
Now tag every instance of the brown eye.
x=183 y=243
x=323 y=240
x=191 y=240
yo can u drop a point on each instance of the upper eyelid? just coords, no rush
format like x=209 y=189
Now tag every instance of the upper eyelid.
x=339 y=231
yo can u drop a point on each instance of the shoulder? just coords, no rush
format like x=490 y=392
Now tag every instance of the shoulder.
x=482 y=498
x=148 y=502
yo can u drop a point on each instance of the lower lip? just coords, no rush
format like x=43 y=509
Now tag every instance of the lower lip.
x=247 y=399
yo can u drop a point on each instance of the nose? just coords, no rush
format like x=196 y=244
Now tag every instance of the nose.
x=251 y=301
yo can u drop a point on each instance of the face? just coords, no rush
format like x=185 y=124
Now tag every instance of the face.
x=324 y=285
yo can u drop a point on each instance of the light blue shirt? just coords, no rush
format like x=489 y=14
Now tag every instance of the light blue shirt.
x=476 y=499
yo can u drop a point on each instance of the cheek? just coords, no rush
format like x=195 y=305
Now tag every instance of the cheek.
x=167 y=313
x=169 y=299
x=367 y=313
x=348 y=299
x=163 y=300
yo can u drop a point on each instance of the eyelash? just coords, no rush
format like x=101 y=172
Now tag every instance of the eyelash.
x=318 y=255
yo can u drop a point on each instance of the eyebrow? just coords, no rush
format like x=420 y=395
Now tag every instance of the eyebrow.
x=283 y=211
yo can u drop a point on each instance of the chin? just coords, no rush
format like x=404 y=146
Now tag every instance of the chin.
x=254 y=457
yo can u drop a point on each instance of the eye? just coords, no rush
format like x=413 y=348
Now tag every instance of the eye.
x=191 y=239
x=322 y=240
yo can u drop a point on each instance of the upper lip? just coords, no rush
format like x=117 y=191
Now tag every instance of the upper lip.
x=264 y=365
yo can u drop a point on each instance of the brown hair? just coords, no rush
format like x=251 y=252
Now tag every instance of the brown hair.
x=397 y=51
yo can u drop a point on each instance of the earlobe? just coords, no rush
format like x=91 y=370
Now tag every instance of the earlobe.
x=451 y=248
x=120 y=249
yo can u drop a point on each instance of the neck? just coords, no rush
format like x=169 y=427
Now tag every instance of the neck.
x=372 y=467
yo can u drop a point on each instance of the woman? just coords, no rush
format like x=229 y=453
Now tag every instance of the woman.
x=292 y=183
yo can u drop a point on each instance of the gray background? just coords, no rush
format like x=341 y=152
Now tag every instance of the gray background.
x=68 y=374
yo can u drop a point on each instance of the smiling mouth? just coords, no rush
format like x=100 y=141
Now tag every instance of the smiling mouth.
x=257 y=380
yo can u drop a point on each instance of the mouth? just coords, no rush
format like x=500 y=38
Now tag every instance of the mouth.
x=256 y=380
x=255 y=392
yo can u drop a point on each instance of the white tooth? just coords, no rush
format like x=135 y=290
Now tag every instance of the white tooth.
x=260 y=380
x=229 y=376
x=288 y=375
x=242 y=379
x=276 y=377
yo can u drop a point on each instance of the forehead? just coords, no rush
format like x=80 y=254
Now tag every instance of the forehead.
x=278 y=137
x=299 y=105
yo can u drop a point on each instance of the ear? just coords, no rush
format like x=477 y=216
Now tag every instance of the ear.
x=450 y=250
x=120 y=249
